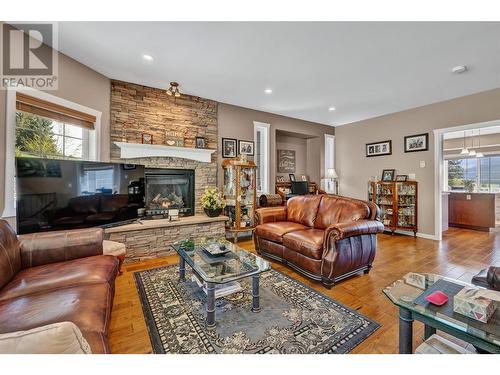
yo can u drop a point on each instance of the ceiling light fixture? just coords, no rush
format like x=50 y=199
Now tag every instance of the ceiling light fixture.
x=173 y=90
x=459 y=69
x=465 y=150
x=268 y=91
x=147 y=57
x=331 y=109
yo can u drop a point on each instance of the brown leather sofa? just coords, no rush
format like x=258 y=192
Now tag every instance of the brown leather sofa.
x=56 y=277
x=325 y=237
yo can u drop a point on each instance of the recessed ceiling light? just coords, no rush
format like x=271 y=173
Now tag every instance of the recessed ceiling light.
x=459 y=69
x=268 y=91
x=331 y=109
x=147 y=57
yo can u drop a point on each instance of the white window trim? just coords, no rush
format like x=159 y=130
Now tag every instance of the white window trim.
x=265 y=159
x=326 y=164
x=10 y=138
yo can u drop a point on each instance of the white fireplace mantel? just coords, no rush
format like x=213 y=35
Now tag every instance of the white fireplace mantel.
x=138 y=150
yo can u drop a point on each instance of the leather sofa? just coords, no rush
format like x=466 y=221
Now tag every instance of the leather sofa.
x=325 y=237
x=57 y=277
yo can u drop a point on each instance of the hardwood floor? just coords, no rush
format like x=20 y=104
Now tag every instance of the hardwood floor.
x=460 y=255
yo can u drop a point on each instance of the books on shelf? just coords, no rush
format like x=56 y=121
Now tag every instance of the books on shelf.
x=221 y=290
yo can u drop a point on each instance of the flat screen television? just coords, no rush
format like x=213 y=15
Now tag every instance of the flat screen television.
x=69 y=194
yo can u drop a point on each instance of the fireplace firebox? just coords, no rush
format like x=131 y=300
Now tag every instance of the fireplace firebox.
x=169 y=189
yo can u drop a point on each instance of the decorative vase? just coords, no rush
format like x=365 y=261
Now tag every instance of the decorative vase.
x=213 y=212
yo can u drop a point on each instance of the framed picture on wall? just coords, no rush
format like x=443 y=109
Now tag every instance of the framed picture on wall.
x=418 y=142
x=286 y=161
x=292 y=177
x=201 y=142
x=229 y=149
x=245 y=147
x=147 y=138
x=379 y=148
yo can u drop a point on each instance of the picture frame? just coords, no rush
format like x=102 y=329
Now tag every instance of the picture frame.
x=378 y=148
x=147 y=138
x=174 y=138
x=303 y=178
x=286 y=161
x=200 y=142
x=246 y=147
x=292 y=177
x=416 y=143
x=229 y=148
x=388 y=175
x=280 y=178
x=402 y=177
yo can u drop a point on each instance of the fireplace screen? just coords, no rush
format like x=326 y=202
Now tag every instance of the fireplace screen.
x=170 y=189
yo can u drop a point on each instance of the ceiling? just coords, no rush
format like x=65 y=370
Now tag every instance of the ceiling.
x=363 y=69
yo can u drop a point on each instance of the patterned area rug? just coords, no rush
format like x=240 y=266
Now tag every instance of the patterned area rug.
x=293 y=318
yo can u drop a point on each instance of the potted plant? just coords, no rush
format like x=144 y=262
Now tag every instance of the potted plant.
x=212 y=202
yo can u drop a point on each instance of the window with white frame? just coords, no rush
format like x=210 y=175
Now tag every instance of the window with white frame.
x=43 y=137
x=261 y=136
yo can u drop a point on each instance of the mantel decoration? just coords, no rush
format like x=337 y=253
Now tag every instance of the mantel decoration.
x=212 y=202
x=174 y=138
x=173 y=90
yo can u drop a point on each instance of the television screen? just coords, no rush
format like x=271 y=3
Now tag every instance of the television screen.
x=69 y=194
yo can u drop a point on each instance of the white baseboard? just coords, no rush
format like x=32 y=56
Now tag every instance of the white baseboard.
x=420 y=235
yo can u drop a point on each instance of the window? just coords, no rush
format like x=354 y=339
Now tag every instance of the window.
x=481 y=174
x=261 y=136
x=43 y=137
x=329 y=152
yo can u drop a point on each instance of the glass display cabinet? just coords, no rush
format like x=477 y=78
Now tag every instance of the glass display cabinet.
x=398 y=202
x=240 y=195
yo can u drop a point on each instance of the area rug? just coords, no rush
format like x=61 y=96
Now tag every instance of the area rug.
x=293 y=318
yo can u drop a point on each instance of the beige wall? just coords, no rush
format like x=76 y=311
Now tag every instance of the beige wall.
x=78 y=84
x=237 y=122
x=355 y=169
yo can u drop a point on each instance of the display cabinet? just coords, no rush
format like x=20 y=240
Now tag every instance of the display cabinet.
x=398 y=202
x=240 y=195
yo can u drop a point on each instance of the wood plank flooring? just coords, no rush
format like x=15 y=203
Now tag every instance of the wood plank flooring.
x=461 y=254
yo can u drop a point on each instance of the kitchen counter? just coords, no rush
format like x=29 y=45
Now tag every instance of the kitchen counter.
x=476 y=210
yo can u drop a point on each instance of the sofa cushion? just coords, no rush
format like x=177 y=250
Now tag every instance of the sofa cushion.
x=57 y=338
x=308 y=242
x=275 y=231
x=117 y=249
x=88 y=306
x=335 y=209
x=89 y=270
x=302 y=209
x=10 y=258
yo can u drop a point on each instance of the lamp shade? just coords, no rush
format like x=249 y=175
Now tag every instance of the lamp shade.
x=330 y=173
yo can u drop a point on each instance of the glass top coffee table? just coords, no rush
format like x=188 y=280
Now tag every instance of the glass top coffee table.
x=236 y=264
x=406 y=294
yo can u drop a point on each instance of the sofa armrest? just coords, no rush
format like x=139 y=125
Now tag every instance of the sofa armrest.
x=340 y=231
x=50 y=247
x=270 y=215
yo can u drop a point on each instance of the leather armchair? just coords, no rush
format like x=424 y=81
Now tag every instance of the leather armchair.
x=325 y=237
x=55 y=277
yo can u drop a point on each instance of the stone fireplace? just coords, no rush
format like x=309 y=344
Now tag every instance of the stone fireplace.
x=169 y=189
x=137 y=109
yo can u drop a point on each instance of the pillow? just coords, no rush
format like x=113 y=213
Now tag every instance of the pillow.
x=56 y=338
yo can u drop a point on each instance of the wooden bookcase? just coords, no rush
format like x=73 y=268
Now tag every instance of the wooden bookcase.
x=240 y=194
x=398 y=202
